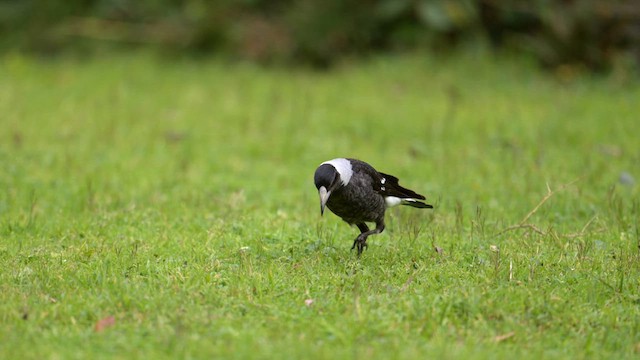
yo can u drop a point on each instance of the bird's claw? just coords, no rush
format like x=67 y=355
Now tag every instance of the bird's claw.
x=360 y=244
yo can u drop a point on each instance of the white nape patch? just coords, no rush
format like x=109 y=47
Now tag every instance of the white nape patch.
x=384 y=180
x=343 y=166
x=392 y=201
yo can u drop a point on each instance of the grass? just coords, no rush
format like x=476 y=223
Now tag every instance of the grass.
x=166 y=209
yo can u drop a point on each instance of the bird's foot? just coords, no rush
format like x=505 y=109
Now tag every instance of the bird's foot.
x=360 y=243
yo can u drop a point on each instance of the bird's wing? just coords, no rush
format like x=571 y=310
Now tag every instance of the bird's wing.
x=388 y=185
x=384 y=184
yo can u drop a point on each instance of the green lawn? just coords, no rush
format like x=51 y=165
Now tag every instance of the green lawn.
x=159 y=209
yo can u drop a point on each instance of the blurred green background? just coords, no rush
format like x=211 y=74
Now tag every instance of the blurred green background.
x=560 y=34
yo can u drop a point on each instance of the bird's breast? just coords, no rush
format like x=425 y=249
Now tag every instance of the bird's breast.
x=356 y=205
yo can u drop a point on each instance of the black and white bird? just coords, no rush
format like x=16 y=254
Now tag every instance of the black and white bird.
x=358 y=193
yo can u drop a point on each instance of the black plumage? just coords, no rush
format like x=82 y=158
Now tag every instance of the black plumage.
x=358 y=193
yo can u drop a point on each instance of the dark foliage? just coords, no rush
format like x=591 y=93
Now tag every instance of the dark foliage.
x=590 y=33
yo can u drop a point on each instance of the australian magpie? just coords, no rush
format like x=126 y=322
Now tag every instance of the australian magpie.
x=358 y=193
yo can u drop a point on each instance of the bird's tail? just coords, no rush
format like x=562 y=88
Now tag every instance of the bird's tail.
x=397 y=195
x=415 y=203
x=392 y=201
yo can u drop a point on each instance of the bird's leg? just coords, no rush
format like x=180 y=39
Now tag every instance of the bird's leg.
x=363 y=229
x=361 y=241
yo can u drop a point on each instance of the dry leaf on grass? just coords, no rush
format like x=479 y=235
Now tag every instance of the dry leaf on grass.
x=504 y=337
x=105 y=323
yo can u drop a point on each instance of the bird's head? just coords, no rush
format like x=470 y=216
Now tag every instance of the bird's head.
x=330 y=176
x=327 y=179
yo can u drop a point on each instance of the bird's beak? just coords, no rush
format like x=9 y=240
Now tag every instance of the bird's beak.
x=324 y=196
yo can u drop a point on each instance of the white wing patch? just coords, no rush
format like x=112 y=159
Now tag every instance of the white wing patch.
x=343 y=166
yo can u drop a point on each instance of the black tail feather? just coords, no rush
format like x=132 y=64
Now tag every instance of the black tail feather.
x=417 y=204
